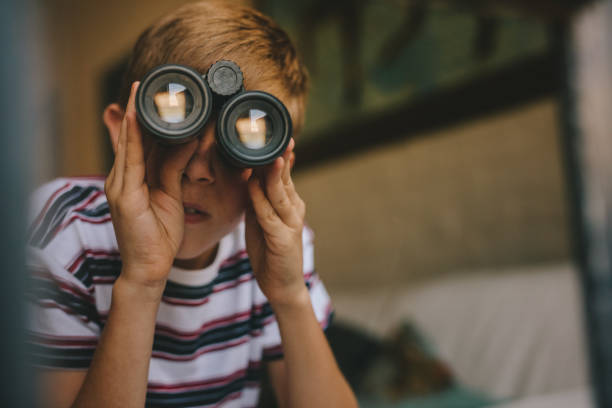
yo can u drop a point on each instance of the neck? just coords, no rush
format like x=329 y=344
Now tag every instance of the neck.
x=199 y=262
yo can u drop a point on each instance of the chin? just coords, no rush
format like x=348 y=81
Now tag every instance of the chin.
x=193 y=251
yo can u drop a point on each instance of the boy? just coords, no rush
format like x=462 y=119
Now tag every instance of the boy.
x=209 y=284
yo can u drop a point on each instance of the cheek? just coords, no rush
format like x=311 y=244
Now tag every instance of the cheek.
x=238 y=198
x=227 y=172
x=232 y=197
x=234 y=182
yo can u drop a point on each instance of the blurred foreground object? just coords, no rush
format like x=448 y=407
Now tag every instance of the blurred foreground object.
x=588 y=119
x=18 y=388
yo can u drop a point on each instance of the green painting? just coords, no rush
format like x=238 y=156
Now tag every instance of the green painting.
x=365 y=56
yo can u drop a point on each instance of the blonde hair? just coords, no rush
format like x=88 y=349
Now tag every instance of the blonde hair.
x=199 y=34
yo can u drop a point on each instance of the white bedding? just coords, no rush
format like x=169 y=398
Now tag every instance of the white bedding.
x=513 y=333
x=579 y=398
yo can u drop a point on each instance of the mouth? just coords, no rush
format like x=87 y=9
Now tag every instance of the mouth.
x=194 y=214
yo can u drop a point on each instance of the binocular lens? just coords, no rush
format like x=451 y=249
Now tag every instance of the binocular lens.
x=173 y=102
x=254 y=128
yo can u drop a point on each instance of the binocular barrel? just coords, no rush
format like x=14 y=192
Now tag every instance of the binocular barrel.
x=174 y=103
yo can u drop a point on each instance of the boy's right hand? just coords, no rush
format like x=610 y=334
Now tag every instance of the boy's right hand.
x=145 y=201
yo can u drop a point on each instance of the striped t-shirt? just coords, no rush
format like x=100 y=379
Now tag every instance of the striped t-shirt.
x=214 y=327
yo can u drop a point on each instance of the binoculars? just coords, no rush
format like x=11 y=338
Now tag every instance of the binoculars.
x=175 y=102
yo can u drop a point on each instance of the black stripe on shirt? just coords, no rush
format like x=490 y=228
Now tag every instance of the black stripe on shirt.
x=57 y=212
x=42 y=290
x=45 y=356
x=226 y=274
x=95 y=266
x=97 y=212
x=109 y=268
x=206 y=396
x=177 y=346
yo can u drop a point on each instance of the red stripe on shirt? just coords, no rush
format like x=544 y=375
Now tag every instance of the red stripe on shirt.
x=198 y=385
x=50 y=304
x=92 y=253
x=230 y=397
x=92 y=220
x=47 y=205
x=233 y=284
x=64 y=284
x=184 y=302
x=234 y=258
x=68 y=343
x=184 y=335
x=204 y=350
x=216 y=289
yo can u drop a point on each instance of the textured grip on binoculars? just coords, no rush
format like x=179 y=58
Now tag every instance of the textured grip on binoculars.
x=224 y=78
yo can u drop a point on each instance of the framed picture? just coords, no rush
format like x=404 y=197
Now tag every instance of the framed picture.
x=382 y=70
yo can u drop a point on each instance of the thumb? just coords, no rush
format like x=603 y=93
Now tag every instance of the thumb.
x=252 y=228
x=175 y=160
x=250 y=218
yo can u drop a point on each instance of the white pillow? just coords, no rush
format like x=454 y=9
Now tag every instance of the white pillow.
x=508 y=333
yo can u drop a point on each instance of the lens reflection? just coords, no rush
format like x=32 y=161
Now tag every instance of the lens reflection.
x=173 y=102
x=254 y=128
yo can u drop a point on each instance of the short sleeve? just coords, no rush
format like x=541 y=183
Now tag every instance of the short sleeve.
x=63 y=322
x=320 y=300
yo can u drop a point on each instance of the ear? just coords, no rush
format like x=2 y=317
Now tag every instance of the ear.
x=113 y=116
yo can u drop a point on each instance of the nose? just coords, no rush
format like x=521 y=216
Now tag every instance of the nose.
x=200 y=167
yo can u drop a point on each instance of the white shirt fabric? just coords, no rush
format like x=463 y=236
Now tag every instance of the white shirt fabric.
x=214 y=327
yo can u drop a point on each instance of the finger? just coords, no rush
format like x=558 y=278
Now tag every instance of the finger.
x=152 y=165
x=288 y=181
x=134 y=156
x=265 y=214
x=294 y=197
x=250 y=219
x=173 y=163
x=277 y=195
x=287 y=157
x=119 y=165
x=292 y=160
x=296 y=200
x=111 y=174
x=108 y=183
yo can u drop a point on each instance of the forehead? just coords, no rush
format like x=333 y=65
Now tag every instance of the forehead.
x=258 y=72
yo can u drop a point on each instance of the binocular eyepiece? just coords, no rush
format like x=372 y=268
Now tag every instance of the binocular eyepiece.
x=175 y=102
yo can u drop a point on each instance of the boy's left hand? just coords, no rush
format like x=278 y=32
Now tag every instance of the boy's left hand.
x=274 y=224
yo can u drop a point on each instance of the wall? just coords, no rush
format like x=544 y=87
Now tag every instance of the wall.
x=85 y=40
x=479 y=194
x=482 y=194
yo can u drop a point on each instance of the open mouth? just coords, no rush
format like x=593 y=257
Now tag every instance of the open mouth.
x=194 y=215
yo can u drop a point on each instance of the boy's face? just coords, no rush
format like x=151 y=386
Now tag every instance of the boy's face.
x=215 y=196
